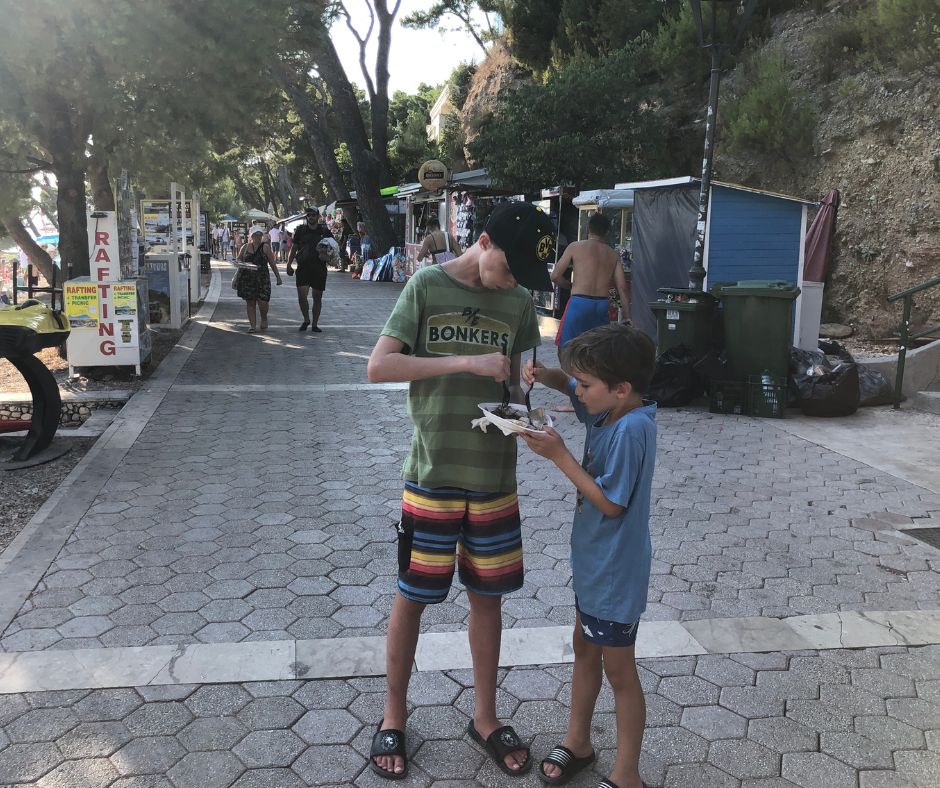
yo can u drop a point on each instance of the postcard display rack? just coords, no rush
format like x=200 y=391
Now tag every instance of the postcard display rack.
x=102 y=309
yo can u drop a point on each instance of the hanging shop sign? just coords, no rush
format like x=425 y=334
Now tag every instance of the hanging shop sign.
x=432 y=175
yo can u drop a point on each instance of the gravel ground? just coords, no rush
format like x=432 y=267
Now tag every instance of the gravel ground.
x=23 y=492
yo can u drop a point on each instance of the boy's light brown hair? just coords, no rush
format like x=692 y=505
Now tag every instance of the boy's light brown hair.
x=613 y=353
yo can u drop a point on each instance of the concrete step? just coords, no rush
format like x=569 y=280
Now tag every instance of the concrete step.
x=928 y=401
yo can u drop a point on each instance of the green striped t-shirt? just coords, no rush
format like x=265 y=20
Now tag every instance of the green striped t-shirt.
x=438 y=316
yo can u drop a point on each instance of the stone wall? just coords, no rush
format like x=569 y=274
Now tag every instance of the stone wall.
x=76 y=407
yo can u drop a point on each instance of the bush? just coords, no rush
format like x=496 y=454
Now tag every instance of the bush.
x=910 y=30
x=766 y=115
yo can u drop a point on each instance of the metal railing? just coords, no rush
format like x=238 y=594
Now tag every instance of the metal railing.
x=31 y=290
x=906 y=337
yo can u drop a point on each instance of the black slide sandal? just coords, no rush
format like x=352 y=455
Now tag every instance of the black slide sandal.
x=499 y=744
x=388 y=742
x=567 y=762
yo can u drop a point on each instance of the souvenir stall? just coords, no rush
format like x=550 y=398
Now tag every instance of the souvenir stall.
x=461 y=206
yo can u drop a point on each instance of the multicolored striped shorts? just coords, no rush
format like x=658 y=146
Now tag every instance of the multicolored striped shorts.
x=441 y=526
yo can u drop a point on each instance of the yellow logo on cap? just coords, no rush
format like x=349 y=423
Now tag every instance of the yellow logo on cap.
x=544 y=247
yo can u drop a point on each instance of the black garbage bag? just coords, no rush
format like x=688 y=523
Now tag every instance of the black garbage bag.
x=874 y=388
x=833 y=393
x=802 y=365
x=675 y=382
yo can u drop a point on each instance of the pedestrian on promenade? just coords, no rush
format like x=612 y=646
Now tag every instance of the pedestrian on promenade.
x=275 y=234
x=234 y=241
x=456 y=335
x=611 y=555
x=594 y=263
x=346 y=232
x=439 y=245
x=224 y=243
x=311 y=270
x=254 y=282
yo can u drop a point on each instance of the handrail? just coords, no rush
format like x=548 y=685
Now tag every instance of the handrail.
x=905 y=335
x=916 y=289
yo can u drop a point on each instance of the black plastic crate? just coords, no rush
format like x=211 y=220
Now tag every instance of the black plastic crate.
x=766 y=397
x=728 y=397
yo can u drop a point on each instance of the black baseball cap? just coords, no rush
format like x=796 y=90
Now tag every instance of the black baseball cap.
x=525 y=233
x=310 y=209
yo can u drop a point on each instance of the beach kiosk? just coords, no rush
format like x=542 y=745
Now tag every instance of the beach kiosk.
x=750 y=234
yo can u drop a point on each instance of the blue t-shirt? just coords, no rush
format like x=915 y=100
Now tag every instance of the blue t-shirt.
x=611 y=556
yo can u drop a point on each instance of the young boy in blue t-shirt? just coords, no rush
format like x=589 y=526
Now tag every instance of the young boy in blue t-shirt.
x=611 y=367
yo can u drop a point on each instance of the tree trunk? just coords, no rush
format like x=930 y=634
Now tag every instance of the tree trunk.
x=246 y=192
x=72 y=207
x=367 y=167
x=316 y=134
x=270 y=196
x=379 y=103
x=38 y=256
x=102 y=193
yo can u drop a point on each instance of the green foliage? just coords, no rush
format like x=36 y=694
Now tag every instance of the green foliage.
x=766 y=115
x=674 y=50
x=911 y=30
x=588 y=125
x=555 y=32
x=459 y=84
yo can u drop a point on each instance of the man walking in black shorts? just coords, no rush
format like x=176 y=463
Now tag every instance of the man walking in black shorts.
x=311 y=270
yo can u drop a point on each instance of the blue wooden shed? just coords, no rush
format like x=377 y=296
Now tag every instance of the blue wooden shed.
x=750 y=234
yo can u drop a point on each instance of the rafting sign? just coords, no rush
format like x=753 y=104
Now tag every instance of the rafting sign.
x=101 y=305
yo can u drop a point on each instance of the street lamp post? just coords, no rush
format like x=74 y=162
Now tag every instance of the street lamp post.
x=716 y=47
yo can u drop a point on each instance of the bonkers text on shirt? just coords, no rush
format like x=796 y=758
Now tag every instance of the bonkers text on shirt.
x=466 y=333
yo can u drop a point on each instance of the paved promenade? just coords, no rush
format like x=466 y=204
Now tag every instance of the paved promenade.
x=204 y=602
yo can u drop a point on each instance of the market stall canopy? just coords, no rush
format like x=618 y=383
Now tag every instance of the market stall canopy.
x=228 y=218
x=472 y=178
x=254 y=213
x=604 y=198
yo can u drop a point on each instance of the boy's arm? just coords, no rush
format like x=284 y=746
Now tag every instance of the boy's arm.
x=388 y=364
x=623 y=287
x=551 y=446
x=550 y=377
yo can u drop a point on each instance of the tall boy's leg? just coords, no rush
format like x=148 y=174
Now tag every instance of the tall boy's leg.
x=586 y=679
x=485 y=631
x=620 y=667
x=403 y=627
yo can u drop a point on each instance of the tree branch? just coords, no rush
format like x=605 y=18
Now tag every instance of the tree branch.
x=363 y=41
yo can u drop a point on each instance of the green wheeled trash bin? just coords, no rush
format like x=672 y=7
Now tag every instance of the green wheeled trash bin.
x=758 y=323
x=684 y=317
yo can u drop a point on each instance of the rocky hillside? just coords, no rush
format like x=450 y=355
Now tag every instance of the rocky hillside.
x=876 y=140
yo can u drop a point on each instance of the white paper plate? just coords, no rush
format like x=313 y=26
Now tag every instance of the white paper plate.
x=507 y=424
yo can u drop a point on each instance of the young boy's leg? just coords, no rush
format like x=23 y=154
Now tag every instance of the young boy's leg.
x=427 y=543
x=403 y=627
x=490 y=565
x=586 y=679
x=630 y=705
x=485 y=631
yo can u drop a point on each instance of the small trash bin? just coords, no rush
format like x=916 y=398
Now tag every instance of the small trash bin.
x=758 y=323
x=684 y=317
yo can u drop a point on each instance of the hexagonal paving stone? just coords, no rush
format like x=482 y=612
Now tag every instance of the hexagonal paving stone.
x=430 y=688
x=41 y=725
x=328 y=764
x=206 y=770
x=332 y=694
x=327 y=726
x=218 y=700
x=783 y=734
x=27 y=762
x=87 y=772
x=159 y=719
x=212 y=733
x=813 y=769
x=94 y=740
x=85 y=627
x=448 y=760
x=271 y=713
x=267 y=749
x=531 y=685
x=743 y=758
x=270 y=778
x=857 y=751
x=107 y=705
x=148 y=755
x=713 y=722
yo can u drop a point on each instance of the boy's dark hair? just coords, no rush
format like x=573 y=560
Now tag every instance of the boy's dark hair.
x=598 y=224
x=613 y=353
